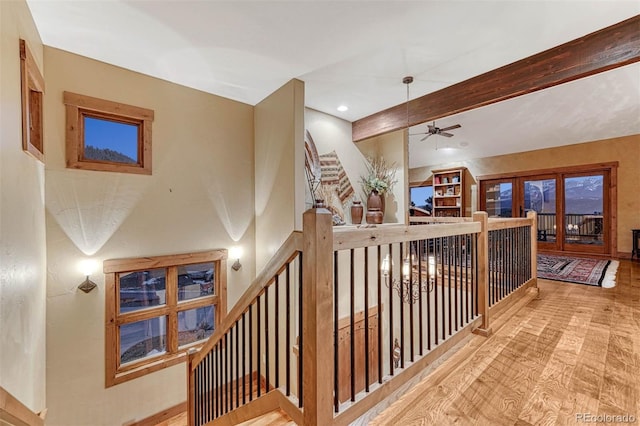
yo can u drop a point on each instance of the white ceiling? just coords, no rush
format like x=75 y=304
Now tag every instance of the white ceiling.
x=356 y=53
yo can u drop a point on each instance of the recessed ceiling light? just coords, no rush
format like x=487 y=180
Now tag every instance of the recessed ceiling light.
x=343 y=108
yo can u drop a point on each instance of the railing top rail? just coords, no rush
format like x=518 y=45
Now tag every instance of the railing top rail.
x=348 y=238
x=276 y=265
x=508 y=222
x=438 y=219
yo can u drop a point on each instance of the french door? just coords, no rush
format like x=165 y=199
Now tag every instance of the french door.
x=573 y=208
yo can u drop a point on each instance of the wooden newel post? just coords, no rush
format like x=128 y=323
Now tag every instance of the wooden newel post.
x=483 y=272
x=317 y=312
x=191 y=388
x=534 y=246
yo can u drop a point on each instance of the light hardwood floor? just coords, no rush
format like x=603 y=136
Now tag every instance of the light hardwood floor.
x=575 y=350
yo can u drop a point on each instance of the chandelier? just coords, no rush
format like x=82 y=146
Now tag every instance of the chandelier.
x=413 y=282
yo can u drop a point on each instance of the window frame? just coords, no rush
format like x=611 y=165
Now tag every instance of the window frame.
x=80 y=106
x=31 y=93
x=115 y=373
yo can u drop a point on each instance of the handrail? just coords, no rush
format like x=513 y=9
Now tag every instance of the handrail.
x=15 y=413
x=347 y=238
x=508 y=222
x=438 y=219
x=278 y=262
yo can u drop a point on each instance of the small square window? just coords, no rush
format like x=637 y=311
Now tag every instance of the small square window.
x=110 y=141
x=32 y=88
x=107 y=136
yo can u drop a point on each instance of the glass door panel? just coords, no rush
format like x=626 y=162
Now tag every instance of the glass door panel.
x=498 y=199
x=540 y=196
x=584 y=217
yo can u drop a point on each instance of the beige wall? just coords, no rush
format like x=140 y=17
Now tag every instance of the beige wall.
x=279 y=173
x=330 y=133
x=624 y=150
x=22 y=224
x=200 y=196
x=393 y=148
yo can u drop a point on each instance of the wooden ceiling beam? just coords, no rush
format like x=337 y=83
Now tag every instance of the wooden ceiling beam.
x=609 y=48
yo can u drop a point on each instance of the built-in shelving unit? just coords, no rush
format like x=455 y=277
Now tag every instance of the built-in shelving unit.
x=448 y=193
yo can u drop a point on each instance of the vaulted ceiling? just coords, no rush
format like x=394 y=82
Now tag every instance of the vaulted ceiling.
x=355 y=53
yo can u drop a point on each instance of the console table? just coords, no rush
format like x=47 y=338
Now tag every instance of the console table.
x=636 y=243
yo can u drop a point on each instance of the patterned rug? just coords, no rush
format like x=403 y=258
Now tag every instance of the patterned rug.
x=596 y=272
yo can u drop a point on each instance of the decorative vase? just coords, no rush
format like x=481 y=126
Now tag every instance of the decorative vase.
x=374 y=201
x=356 y=212
x=374 y=216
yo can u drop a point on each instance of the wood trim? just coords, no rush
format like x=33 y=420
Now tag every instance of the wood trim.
x=157 y=364
x=495 y=224
x=161 y=416
x=287 y=252
x=349 y=238
x=116 y=373
x=16 y=413
x=31 y=92
x=317 y=326
x=534 y=246
x=483 y=270
x=291 y=408
x=258 y=407
x=153 y=262
x=611 y=47
x=102 y=105
x=551 y=172
x=379 y=392
x=78 y=106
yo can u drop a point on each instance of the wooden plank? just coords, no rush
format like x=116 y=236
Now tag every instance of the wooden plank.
x=345 y=239
x=507 y=223
x=603 y=50
x=258 y=407
x=15 y=412
x=317 y=326
x=161 y=416
x=152 y=262
x=433 y=219
x=483 y=272
x=101 y=105
x=534 y=246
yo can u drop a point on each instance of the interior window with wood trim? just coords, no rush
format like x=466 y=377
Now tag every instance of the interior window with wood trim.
x=159 y=307
x=32 y=90
x=107 y=136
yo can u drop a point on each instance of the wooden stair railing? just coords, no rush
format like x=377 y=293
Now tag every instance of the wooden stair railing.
x=15 y=413
x=340 y=286
x=241 y=361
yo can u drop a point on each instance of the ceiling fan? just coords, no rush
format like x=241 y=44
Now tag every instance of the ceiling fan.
x=433 y=130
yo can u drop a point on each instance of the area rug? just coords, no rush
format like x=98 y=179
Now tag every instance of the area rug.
x=579 y=270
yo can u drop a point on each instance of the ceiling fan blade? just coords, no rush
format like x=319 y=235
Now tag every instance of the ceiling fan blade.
x=456 y=126
x=447 y=135
x=428 y=134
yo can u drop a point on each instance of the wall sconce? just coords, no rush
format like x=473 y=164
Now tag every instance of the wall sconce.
x=88 y=267
x=236 y=253
x=411 y=287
